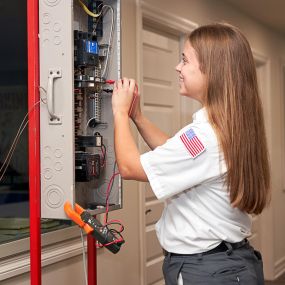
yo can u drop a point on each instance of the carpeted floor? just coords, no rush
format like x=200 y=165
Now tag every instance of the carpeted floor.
x=279 y=281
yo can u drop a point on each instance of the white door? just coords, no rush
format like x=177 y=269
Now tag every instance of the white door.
x=162 y=106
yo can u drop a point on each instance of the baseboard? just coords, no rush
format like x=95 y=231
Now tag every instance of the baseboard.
x=19 y=264
x=279 y=267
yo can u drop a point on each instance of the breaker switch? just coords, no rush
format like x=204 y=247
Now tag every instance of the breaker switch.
x=87 y=166
x=86 y=49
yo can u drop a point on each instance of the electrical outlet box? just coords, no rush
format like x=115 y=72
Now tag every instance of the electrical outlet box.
x=79 y=50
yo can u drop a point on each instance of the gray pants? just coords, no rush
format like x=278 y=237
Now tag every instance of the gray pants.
x=242 y=266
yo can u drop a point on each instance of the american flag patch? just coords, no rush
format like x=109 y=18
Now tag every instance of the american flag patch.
x=192 y=143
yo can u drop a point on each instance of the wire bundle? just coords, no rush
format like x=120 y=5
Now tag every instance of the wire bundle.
x=98 y=15
x=10 y=153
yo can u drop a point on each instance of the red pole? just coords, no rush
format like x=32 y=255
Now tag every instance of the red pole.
x=34 y=139
x=92 y=260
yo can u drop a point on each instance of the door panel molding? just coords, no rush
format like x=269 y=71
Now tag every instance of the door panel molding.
x=169 y=22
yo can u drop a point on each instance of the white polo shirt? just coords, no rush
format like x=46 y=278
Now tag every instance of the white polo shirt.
x=188 y=172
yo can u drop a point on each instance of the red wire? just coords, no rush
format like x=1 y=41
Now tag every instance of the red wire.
x=104 y=156
x=107 y=195
x=109 y=243
x=106 y=223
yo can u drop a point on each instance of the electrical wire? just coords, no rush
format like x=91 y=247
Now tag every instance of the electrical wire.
x=110 y=40
x=19 y=132
x=109 y=43
x=88 y=122
x=116 y=233
x=116 y=222
x=112 y=242
x=44 y=100
x=87 y=11
x=107 y=199
x=21 y=129
x=9 y=156
x=92 y=118
x=109 y=81
x=108 y=191
x=117 y=236
x=103 y=150
x=84 y=257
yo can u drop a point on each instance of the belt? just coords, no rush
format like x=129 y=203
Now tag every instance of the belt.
x=224 y=246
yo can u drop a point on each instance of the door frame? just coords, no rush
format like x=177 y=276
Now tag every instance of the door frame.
x=179 y=27
x=267 y=216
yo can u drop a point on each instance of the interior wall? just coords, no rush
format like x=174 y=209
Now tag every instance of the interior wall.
x=270 y=45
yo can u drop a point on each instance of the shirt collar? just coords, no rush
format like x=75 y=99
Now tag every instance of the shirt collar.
x=200 y=116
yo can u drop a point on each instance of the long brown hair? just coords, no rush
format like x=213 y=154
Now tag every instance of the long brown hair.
x=235 y=112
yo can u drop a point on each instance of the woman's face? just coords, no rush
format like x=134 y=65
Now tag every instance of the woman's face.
x=192 y=81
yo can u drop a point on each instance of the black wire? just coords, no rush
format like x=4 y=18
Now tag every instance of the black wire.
x=104 y=156
x=119 y=224
x=118 y=233
x=98 y=12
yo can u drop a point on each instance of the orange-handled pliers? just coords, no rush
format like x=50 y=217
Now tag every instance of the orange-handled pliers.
x=74 y=215
x=85 y=220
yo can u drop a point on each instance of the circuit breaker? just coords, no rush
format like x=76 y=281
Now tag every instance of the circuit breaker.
x=79 y=43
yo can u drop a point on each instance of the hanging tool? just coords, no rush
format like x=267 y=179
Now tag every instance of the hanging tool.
x=109 y=238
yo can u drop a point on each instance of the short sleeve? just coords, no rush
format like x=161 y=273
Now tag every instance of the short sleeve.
x=173 y=167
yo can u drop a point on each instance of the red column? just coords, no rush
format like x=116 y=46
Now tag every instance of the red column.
x=34 y=139
x=92 y=260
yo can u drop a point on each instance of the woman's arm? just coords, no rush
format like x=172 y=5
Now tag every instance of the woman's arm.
x=127 y=154
x=151 y=134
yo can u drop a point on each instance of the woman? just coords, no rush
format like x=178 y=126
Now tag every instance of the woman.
x=214 y=173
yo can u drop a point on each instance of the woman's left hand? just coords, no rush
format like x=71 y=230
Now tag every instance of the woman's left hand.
x=123 y=95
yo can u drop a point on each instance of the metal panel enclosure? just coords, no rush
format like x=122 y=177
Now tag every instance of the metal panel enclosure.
x=71 y=170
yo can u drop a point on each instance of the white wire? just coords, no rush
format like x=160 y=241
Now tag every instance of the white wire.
x=44 y=100
x=11 y=152
x=108 y=49
x=19 y=132
x=110 y=40
x=15 y=141
x=89 y=121
x=84 y=258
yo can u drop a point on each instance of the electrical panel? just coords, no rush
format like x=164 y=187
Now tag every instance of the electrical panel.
x=79 y=44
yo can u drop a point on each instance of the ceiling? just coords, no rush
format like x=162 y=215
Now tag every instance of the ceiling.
x=269 y=12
